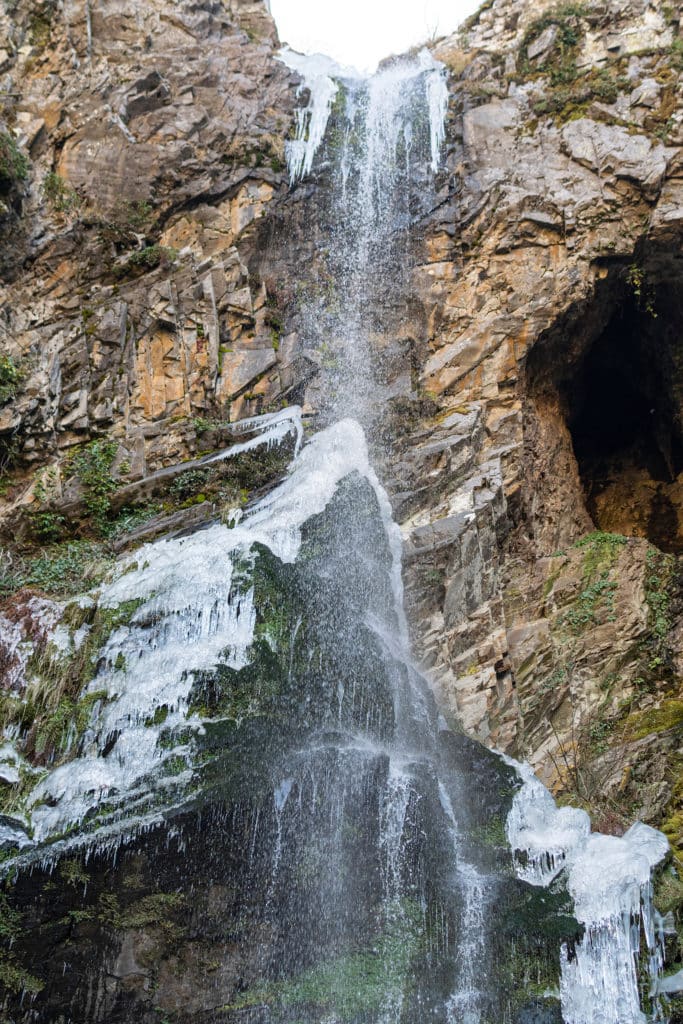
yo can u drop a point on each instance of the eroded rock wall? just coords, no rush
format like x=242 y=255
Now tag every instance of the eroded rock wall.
x=548 y=620
x=154 y=139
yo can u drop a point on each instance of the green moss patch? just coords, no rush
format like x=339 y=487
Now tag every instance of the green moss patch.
x=10 y=379
x=355 y=983
x=560 y=63
x=668 y=715
x=14 y=978
x=595 y=601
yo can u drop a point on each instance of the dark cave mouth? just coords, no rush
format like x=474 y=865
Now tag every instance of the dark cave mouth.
x=622 y=397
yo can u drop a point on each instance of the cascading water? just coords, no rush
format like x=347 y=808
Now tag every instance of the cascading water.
x=257 y=733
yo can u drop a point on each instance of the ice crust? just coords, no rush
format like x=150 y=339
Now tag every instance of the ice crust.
x=437 y=98
x=609 y=880
x=195 y=609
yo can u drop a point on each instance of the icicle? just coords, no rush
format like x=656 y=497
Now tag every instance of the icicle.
x=311 y=120
x=437 y=99
x=274 y=427
x=189 y=616
x=609 y=880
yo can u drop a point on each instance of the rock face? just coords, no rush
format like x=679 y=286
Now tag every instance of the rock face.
x=533 y=433
x=154 y=140
x=544 y=497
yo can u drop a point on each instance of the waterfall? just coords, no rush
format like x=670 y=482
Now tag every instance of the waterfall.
x=254 y=709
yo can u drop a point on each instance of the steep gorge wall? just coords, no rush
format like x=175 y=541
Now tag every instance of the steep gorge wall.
x=154 y=138
x=148 y=250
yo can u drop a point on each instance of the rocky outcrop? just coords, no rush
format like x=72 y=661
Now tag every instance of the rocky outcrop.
x=152 y=258
x=153 y=140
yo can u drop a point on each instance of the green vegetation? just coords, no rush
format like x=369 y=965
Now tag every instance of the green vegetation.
x=189 y=483
x=155 y=910
x=569 y=91
x=125 y=222
x=57 y=730
x=668 y=715
x=273 y=319
x=92 y=465
x=73 y=872
x=10 y=379
x=48 y=526
x=659 y=578
x=569 y=102
x=355 y=983
x=560 y=63
x=81 y=665
x=602 y=551
x=266 y=154
x=56 y=710
x=642 y=289
x=677 y=54
x=40 y=23
x=202 y=425
x=13 y=977
x=130 y=519
x=142 y=260
x=57 y=193
x=67 y=568
x=491 y=833
x=668 y=898
x=473 y=19
x=13 y=164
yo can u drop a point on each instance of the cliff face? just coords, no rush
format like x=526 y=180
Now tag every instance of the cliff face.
x=153 y=138
x=545 y=494
x=533 y=437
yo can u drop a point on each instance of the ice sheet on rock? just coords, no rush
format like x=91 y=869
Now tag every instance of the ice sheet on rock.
x=194 y=610
x=327 y=459
x=10 y=836
x=274 y=428
x=9 y=764
x=13 y=654
x=672 y=984
x=608 y=873
x=540 y=834
x=317 y=72
x=42 y=614
x=609 y=880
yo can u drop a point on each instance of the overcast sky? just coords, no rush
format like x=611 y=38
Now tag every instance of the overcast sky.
x=361 y=32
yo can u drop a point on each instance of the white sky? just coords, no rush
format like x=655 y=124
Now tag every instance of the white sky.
x=361 y=32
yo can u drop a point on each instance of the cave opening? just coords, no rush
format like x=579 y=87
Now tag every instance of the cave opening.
x=624 y=421
x=617 y=374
